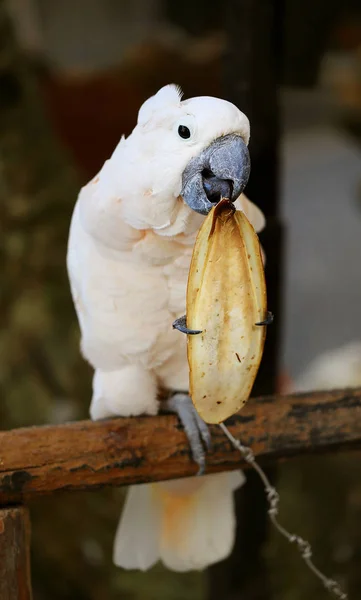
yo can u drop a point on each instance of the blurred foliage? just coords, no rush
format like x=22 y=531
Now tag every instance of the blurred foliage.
x=40 y=358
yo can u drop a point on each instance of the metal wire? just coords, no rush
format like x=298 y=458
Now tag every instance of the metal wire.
x=273 y=498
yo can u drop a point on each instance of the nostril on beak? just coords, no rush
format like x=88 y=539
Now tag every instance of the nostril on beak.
x=216 y=188
x=207 y=174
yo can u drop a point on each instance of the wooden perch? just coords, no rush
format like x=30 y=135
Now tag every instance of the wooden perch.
x=15 y=581
x=87 y=455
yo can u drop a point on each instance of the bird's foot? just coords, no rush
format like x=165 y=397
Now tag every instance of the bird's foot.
x=196 y=429
x=181 y=325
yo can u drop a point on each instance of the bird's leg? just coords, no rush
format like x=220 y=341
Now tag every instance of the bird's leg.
x=181 y=325
x=195 y=428
x=268 y=320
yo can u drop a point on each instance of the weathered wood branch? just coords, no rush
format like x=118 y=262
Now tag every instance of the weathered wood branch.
x=87 y=455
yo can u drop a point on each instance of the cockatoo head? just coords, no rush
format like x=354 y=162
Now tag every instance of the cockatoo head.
x=193 y=151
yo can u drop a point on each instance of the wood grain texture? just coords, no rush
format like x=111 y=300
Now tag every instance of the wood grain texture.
x=86 y=455
x=15 y=554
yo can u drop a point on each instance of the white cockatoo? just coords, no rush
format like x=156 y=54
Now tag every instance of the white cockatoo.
x=130 y=245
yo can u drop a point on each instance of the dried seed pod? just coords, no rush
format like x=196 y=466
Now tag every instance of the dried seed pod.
x=226 y=297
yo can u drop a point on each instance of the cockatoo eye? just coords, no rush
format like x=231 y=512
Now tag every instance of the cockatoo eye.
x=184 y=132
x=186 y=128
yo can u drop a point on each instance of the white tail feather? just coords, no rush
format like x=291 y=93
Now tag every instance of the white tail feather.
x=136 y=544
x=188 y=524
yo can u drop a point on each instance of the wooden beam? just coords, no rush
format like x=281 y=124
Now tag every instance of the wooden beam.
x=15 y=554
x=88 y=455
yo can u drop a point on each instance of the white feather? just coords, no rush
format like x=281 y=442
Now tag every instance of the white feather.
x=167 y=96
x=131 y=391
x=136 y=544
x=188 y=524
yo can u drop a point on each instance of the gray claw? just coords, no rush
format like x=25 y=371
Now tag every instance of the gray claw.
x=181 y=325
x=268 y=320
x=195 y=428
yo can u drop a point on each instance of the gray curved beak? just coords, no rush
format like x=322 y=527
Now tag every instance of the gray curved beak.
x=220 y=171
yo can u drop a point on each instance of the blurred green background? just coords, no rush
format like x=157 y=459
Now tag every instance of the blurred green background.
x=72 y=77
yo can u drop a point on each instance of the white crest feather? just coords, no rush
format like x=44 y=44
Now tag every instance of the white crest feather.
x=167 y=96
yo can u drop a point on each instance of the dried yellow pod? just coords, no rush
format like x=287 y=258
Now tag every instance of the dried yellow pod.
x=226 y=297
